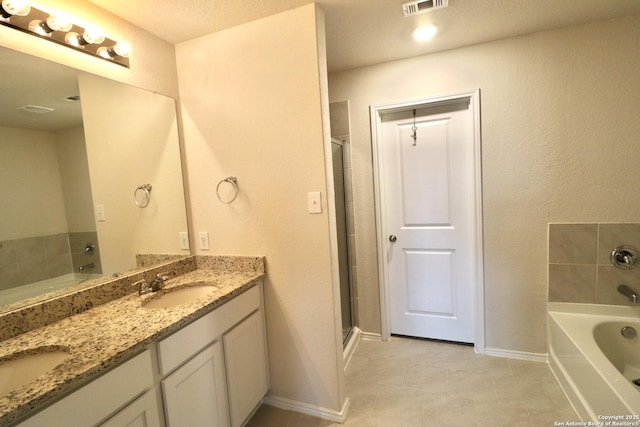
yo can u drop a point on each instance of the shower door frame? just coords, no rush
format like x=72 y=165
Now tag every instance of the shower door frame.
x=348 y=254
x=376 y=113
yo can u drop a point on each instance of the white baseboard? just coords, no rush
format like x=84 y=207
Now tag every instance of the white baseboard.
x=305 y=408
x=371 y=336
x=512 y=354
x=352 y=344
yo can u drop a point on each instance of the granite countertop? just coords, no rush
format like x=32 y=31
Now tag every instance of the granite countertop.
x=106 y=335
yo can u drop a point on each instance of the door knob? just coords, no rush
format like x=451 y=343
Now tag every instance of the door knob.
x=392 y=238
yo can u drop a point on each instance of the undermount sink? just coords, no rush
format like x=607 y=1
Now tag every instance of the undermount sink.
x=171 y=297
x=21 y=368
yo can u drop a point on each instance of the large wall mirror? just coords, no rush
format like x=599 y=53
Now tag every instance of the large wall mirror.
x=74 y=150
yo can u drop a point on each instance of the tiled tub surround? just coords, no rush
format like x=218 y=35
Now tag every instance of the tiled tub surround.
x=579 y=267
x=109 y=334
x=34 y=259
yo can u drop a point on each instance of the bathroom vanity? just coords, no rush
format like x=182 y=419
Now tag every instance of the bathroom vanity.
x=133 y=362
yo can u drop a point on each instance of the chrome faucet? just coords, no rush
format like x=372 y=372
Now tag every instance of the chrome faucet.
x=143 y=287
x=629 y=293
x=84 y=267
x=624 y=257
x=158 y=282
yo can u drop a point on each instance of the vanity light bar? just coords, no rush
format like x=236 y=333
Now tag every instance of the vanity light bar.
x=18 y=14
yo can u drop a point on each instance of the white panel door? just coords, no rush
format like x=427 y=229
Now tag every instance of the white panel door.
x=428 y=187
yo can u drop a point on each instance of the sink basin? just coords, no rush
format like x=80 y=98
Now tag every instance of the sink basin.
x=167 y=298
x=21 y=368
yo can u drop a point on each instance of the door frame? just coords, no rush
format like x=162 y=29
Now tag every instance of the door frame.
x=376 y=112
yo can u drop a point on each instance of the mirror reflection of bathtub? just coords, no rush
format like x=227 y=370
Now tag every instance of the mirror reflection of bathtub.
x=37 y=289
x=57 y=167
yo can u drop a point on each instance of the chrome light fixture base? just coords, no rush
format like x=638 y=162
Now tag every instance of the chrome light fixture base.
x=77 y=38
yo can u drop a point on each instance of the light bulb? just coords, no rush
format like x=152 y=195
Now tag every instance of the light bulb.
x=93 y=35
x=73 y=39
x=105 y=52
x=122 y=49
x=16 y=7
x=59 y=23
x=39 y=27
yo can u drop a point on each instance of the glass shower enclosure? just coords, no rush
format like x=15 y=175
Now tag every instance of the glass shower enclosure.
x=343 y=248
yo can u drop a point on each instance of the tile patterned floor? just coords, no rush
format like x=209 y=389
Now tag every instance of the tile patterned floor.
x=418 y=383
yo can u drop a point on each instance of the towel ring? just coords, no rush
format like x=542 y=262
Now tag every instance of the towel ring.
x=233 y=181
x=147 y=192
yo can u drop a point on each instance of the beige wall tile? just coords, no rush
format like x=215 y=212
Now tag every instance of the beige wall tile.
x=7 y=253
x=59 y=265
x=30 y=249
x=9 y=277
x=572 y=283
x=609 y=278
x=56 y=244
x=339 y=113
x=32 y=271
x=573 y=243
x=614 y=235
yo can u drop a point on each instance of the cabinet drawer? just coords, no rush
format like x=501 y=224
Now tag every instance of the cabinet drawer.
x=100 y=398
x=179 y=347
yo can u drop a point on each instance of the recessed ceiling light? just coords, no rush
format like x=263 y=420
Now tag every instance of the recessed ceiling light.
x=424 y=33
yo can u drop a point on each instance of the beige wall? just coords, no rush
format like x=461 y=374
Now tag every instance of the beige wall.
x=76 y=183
x=559 y=144
x=252 y=108
x=124 y=154
x=153 y=65
x=32 y=198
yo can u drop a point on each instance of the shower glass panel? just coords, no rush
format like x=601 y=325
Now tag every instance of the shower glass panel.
x=341 y=226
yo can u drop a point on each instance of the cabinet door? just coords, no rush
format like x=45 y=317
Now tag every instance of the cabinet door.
x=245 y=353
x=195 y=394
x=142 y=412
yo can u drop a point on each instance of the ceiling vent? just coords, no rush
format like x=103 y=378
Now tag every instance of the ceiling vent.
x=423 y=6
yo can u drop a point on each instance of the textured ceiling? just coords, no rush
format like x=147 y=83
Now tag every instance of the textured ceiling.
x=366 y=32
x=359 y=33
x=28 y=80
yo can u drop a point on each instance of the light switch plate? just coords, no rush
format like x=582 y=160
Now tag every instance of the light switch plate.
x=314 y=202
x=204 y=240
x=100 y=213
x=184 y=240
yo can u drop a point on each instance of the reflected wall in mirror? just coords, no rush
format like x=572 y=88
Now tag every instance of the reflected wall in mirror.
x=72 y=162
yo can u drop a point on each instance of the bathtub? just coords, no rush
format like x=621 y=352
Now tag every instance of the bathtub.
x=593 y=362
x=20 y=293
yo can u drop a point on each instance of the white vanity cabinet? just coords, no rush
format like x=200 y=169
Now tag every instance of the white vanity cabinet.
x=123 y=396
x=214 y=370
x=211 y=373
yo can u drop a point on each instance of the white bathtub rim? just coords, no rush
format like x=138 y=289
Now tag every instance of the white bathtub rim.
x=595 y=309
x=570 y=390
x=582 y=339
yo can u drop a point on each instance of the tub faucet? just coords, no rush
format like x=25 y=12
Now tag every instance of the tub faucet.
x=84 y=267
x=629 y=293
x=158 y=282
